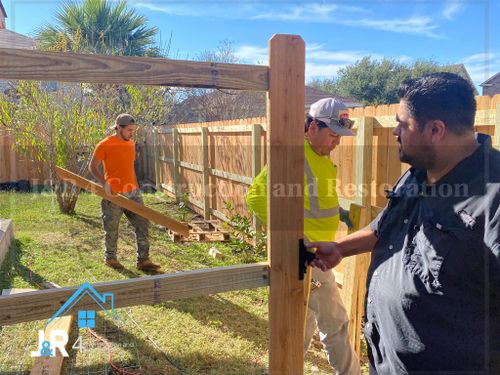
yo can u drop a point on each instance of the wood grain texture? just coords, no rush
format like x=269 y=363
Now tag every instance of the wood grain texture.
x=285 y=213
x=139 y=291
x=354 y=280
x=124 y=202
x=71 y=67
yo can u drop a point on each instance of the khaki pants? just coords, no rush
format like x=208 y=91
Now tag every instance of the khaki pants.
x=111 y=214
x=326 y=312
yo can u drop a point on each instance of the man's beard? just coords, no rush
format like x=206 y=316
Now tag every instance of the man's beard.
x=426 y=158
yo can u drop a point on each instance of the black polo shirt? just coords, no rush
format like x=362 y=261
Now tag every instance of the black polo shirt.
x=433 y=288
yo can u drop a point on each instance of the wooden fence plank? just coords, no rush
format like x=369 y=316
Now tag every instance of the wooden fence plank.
x=6 y=237
x=147 y=290
x=286 y=226
x=176 y=171
x=364 y=151
x=353 y=286
x=52 y=365
x=71 y=67
x=496 y=135
x=124 y=202
x=206 y=175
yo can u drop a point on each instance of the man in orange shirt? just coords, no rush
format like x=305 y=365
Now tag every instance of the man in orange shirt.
x=117 y=154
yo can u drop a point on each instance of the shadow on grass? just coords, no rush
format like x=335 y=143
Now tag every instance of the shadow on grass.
x=90 y=220
x=145 y=358
x=228 y=316
x=12 y=266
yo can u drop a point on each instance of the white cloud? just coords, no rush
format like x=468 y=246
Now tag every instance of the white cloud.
x=252 y=54
x=314 y=70
x=417 y=25
x=452 y=8
x=198 y=9
x=312 y=13
x=481 y=66
x=320 y=61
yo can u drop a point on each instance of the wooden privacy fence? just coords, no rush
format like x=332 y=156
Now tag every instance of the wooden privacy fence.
x=212 y=163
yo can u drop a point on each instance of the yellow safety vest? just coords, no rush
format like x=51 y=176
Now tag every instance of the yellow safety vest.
x=321 y=203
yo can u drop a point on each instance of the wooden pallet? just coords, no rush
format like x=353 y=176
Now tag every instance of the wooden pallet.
x=202 y=231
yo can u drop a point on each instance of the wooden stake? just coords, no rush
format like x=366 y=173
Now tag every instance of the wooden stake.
x=285 y=212
x=124 y=202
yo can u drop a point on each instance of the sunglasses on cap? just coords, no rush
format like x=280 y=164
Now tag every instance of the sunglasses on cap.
x=343 y=122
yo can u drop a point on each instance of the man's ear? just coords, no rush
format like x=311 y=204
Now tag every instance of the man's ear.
x=438 y=130
x=313 y=126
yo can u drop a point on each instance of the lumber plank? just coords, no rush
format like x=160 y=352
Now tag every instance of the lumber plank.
x=124 y=202
x=364 y=150
x=6 y=237
x=286 y=224
x=52 y=365
x=72 y=67
x=354 y=279
x=43 y=304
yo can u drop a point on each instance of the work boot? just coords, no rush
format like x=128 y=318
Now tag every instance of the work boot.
x=113 y=263
x=147 y=265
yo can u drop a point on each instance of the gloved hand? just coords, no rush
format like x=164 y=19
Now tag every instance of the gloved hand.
x=344 y=217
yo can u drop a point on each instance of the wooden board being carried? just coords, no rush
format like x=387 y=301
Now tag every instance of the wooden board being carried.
x=202 y=231
x=124 y=202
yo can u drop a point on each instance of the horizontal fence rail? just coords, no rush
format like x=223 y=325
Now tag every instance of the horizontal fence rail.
x=44 y=304
x=71 y=67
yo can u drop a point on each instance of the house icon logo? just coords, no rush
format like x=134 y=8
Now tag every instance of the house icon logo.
x=86 y=318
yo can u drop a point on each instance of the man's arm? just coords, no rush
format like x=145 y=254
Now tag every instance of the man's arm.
x=94 y=169
x=329 y=254
x=95 y=162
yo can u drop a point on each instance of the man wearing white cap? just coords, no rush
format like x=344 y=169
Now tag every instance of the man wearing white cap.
x=326 y=122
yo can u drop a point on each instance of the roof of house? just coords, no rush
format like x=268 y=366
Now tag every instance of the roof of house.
x=490 y=80
x=11 y=39
x=462 y=70
x=313 y=95
x=3 y=9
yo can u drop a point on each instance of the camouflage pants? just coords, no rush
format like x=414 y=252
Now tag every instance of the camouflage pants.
x=111 y=214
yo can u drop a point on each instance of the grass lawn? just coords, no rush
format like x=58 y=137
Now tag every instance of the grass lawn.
x=218 y=334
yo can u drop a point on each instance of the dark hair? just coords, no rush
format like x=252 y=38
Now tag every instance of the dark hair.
x=440 y=96
x=309 y=119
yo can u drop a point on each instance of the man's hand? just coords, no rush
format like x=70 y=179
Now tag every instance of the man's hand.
x=327 y=255
x=107 y=190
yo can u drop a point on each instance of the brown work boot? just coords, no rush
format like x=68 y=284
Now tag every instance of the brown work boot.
x=147 y=265
x=113 y=263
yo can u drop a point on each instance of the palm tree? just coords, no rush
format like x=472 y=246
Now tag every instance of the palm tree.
x=99 y=26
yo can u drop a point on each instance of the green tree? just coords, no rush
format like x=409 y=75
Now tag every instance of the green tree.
x=56 y=127
x=99 y=26
x=374 y=82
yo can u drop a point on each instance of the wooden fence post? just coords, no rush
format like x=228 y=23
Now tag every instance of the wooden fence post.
x=364 y=150
x=175 y=163
x=156 y=153
x=206 y=176
x=496 y=136
x=285 y=211
x=356 y=267
x=354 y=280
x=256 y=163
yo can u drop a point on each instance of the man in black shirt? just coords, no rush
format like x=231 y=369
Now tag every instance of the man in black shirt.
x=433 y=288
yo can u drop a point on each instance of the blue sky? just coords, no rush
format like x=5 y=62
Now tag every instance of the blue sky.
x=336 y=33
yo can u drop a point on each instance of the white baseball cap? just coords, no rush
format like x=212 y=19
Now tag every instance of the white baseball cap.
x=333 y=113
